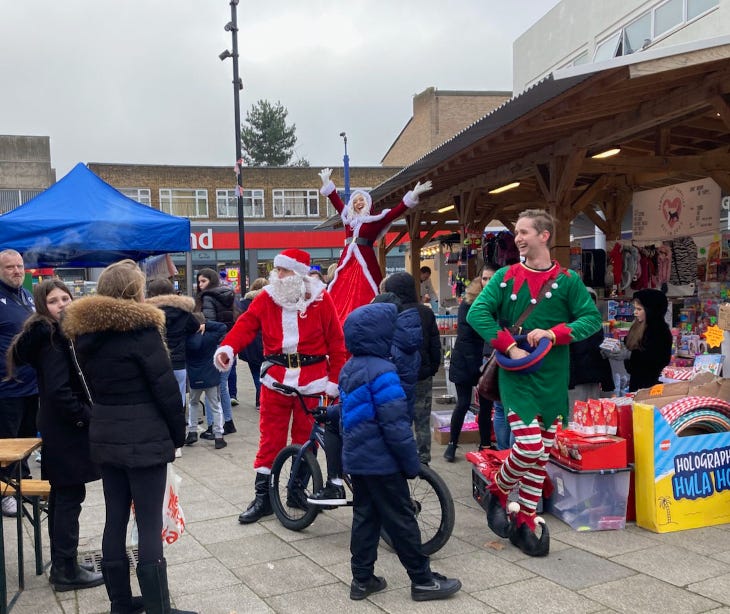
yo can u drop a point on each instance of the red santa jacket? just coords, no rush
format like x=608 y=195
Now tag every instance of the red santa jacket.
x=314 y=331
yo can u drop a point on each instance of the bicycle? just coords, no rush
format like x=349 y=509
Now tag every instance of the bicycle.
x=296 y=474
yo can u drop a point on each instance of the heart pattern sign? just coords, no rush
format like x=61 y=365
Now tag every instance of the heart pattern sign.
x=680 y=210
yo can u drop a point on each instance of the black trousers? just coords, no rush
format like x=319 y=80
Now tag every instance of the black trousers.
x=145 y=487
x=18 y=419
x=384 y=500
x=64 y=509
x=333 y=443
x=484 y=419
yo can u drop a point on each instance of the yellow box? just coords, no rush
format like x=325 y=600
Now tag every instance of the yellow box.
x=681 y=482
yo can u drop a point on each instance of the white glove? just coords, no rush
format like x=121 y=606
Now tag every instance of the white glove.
x=324 y=175
x=420 y=188
x=223 y=358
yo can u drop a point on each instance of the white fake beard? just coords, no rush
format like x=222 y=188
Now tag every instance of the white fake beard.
x=287 y=292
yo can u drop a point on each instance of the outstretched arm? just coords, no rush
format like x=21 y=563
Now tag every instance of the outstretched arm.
x=409 y=201
x=328 y=189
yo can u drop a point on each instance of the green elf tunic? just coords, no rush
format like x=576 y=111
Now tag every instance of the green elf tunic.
x=566 y=309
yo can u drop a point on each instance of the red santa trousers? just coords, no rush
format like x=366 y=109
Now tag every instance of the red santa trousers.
x=277 y=411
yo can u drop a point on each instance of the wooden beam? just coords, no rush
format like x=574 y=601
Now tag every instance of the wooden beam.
x=569 y=173
x=662 y=141
x=691 y=164
x=395 y=241
x=588 y=195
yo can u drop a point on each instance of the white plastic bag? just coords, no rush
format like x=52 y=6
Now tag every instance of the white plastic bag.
x=173 y=519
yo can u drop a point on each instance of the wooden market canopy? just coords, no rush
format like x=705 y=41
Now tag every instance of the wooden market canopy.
x=668 y=110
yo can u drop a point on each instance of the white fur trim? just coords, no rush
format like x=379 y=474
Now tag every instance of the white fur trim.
x=410 y=200
x=327 y=189
x=285 y=262
x=353 y=249
x=226 y=350
x=513 y=507
x=332 y=389
x=263 y=470
x=290 y=332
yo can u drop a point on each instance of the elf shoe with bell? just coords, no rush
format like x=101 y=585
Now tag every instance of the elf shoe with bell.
x=523 y=532
x=497 y=518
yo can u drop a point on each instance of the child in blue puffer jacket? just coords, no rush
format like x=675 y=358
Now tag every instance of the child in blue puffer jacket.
x=379 y=453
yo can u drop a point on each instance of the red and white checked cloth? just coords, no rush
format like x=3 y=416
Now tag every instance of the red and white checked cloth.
x=684 y=406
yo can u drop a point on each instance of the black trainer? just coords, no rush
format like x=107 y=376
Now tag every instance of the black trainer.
x=360 y=590
x=439 y=587
x=208 y=433
x=450 y=452
x=220 y=443
x=191 y=438
x=229 y=427
x=331 y=494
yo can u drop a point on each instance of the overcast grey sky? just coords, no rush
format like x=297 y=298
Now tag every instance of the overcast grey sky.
x=139 y=81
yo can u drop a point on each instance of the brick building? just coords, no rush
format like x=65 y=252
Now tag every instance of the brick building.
x=282 y=207
x=438 y=115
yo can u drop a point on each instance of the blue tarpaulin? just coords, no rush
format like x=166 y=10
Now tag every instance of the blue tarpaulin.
x=82 y=221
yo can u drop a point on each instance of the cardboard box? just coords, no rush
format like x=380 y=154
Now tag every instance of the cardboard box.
x=681 y=482
x=589 y=500
x=443 y=436
x=723 y=317
x=589 y=452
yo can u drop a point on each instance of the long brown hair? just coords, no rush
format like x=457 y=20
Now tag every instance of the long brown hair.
x=40 y=295
x=635 y=336
x=123 y=279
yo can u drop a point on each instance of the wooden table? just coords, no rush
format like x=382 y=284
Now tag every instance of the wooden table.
x=14 y=451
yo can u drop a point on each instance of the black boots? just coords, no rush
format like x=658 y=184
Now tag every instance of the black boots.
x=155 y=594
x=497 y=518
x=450 y=452
x=66 y=575
x=260 y=506
x=116 y=579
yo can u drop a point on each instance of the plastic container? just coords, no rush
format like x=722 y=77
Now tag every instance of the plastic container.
x=589 y=500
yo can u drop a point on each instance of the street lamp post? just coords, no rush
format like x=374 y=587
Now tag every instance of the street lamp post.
x=232 y=27
x=346 y=164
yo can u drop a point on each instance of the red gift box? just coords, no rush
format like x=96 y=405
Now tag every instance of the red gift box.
x=589 y=452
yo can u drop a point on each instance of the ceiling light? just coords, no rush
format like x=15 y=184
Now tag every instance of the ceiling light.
x=445 y=209
x=607 y=154
x=504 y=188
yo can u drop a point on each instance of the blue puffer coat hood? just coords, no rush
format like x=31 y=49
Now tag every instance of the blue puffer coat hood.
x=376 y=429
x=369 y=330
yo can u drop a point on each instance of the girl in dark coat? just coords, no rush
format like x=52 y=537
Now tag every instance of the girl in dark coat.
x=649 y=339
x=63 y=421
x=137 y=422
x=216 y=302
x=466 y=359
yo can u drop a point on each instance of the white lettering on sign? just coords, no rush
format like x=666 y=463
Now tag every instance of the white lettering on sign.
x=202 y=240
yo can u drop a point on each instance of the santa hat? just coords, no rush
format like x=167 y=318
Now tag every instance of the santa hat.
x=295 y=260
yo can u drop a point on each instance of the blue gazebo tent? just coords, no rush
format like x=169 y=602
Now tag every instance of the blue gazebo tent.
x=82 y=221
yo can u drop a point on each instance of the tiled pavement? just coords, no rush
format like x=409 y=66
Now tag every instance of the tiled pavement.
x=221 y=567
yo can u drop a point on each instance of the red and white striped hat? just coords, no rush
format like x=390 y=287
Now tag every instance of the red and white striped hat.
x=295 y=260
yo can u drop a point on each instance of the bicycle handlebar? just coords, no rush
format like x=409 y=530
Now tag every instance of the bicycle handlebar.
x=290 y=390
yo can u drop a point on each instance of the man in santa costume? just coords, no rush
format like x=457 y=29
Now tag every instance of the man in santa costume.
x=534 y=400
x=303 y=347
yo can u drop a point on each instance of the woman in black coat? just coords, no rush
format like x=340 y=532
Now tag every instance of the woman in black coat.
x=63 y=421
x=137 y=422
x=466 y=360
x=649 y=339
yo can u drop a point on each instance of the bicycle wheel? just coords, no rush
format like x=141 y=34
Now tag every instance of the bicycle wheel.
x=434 y=510
x=290 y=506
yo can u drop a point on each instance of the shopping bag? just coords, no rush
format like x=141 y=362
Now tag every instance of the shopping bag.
x=488 y=385
x=173 y=519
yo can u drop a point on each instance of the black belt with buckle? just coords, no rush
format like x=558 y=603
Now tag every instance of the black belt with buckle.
x=359 y=241
x=294 y=361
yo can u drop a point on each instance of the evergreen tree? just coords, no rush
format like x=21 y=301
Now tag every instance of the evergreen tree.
x=266 y=138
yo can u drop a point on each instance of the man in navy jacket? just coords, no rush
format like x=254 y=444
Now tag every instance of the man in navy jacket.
x=18 y=396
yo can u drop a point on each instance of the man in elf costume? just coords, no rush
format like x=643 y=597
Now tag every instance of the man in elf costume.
x=536 y=400
x=304 y=347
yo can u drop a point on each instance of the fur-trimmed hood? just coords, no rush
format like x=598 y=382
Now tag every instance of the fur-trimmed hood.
x=252 y=294
x=95 y=314
x=185 y=303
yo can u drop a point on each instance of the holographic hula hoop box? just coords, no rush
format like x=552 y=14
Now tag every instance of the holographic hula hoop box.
x=681 y=482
